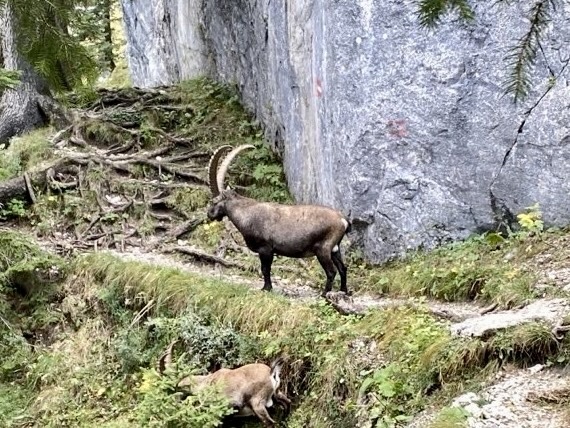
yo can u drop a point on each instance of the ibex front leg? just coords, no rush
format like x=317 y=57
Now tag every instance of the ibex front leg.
x=266 y=259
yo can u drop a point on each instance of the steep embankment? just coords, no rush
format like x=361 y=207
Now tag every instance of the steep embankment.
x=124 y=263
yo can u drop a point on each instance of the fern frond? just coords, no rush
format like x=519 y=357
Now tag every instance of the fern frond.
x=523 y=56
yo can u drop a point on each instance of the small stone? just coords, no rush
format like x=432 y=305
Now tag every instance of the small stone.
x=465 y=399
x=536 y=368
x=474 y=410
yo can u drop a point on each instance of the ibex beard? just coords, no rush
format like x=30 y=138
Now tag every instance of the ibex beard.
x=269 y=229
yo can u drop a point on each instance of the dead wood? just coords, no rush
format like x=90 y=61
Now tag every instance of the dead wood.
x=345 y=309
x=556 y=396
x=207 y=257
x=559 y=330
x=488 y=309
x=18 y=187
x=186 y=227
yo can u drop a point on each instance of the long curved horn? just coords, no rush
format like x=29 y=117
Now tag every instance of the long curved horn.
x=213 y=168
x=166 y=358
x=221 y=176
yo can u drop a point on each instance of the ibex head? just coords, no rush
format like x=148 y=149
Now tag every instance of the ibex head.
x=217 y=209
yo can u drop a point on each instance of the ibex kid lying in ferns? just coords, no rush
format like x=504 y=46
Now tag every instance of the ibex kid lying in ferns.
x=250 y=389
x=276 y=229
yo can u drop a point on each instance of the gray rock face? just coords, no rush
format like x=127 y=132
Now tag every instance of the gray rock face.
x=164 y=41
x=404 y=129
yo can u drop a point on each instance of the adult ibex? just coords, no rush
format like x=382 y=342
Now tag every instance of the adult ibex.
x=276 y=229
x=250 y=389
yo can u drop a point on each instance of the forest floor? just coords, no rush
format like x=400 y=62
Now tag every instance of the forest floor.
x=110 y=212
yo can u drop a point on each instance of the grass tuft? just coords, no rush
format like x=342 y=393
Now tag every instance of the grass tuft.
x=451 y=417
x=480 y=268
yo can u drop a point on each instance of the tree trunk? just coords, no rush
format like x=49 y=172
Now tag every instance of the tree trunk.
x=108 y=51
x=29 y=105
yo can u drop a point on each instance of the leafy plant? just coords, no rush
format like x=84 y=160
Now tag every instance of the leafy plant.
x=14 y=208
x=531 y=219
x=162 y=406
x=382 y=388
x=263 y=169
x=43 y=36
x=451 y=417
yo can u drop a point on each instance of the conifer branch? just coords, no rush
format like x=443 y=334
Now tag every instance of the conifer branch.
x=430 y=12
x=522 y=57
x=45 y=42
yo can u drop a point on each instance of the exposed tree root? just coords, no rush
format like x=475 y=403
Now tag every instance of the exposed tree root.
x=186 y=227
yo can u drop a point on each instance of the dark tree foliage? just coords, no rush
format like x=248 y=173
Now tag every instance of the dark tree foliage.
x=93 y=26
x=522 y=55
x=44 y=40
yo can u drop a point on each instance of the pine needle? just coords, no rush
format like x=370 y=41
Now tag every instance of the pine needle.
x=430 y=12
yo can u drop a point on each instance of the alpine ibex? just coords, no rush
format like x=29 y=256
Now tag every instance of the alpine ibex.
x=270 y=229
x=250 y=389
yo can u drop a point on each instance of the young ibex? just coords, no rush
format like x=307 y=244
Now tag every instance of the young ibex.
x=250 y=389
x=275 y=229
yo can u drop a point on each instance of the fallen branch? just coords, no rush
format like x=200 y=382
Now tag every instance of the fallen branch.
x=160 y=216
x=206 y=257
x=18 y=187
x=342 y=309
x=172 y=138
x=187 y=226
x=163 y=184
x=29 y=188
x=556 y=396
x=120 y=148
x=488 y=309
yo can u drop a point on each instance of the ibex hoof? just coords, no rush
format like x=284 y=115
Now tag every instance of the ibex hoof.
x=266 y=289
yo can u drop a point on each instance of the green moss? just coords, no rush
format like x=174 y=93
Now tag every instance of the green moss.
x=25 y=152
x=188 y=200
x=23 y=263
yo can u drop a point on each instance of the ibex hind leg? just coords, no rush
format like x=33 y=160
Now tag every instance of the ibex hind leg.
x=284 y=401
x=328 y=265
x=341 y=267
x=266 y=260
x=261 y=412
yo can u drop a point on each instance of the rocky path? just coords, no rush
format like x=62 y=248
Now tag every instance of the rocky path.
x=465 y=319
x=530 y=398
